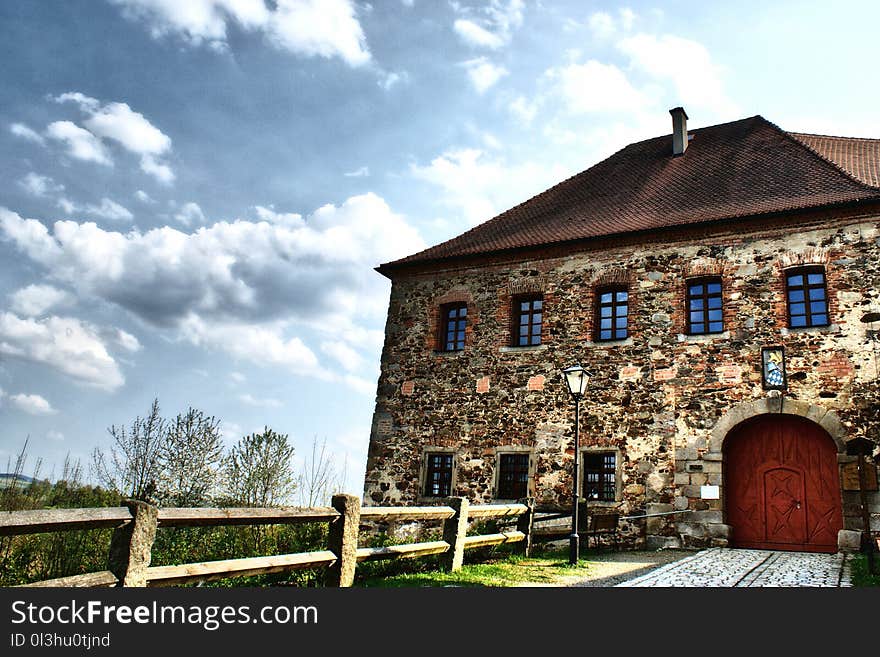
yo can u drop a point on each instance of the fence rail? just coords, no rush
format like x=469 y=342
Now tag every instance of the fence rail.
x=136 y=523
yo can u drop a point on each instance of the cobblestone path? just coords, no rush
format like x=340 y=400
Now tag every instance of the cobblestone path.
x=728 y=567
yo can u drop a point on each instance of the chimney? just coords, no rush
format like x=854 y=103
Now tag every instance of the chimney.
x=679 y=130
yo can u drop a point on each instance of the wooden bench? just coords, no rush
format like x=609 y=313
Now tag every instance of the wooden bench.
x=602 y=524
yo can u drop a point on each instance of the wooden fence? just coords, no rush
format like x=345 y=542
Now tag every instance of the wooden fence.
x=136 y=523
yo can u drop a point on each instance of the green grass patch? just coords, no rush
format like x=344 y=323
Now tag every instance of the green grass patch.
x=548 y=568
x=860 y=574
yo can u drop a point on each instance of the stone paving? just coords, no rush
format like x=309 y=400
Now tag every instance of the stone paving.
x=725 y=567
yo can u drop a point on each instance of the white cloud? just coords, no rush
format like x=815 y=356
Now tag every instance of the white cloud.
x=127 y=341
x=109 y=210
x=261 y=344
x=32 y=404
x=159 y=170
x=523 y=109
x=106 y=209
x=476 y=35
x=37 y=185
x=67 y=206
x=51 y=434
x=237 y=378
x=483 y=73
x=481 y=186
x=143 y=197
x=23 y=131
x=627 y=18
x=190 y=213
x=685 y=63
x=64 y=344
x=343 y=354
x=245 y=288
x=322 y=28
x=119 y=123
x=361 y=172
x=389 y=80
x=602 y=24
x=35 y=300
x=81 y=144
x=596 y=87
x=267 y=402
x=289 y=219
x=326 y=28
x=490 y=26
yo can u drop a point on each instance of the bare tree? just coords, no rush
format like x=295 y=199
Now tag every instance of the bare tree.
x=133 y=466
x=319 y=477
x=190 y=459
x=259 y=470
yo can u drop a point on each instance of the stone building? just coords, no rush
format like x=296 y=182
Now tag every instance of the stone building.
x=667 y=271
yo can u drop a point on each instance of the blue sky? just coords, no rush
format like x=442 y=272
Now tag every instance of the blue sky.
x=193 y=195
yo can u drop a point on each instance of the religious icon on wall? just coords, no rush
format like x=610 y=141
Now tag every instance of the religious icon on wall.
x=773 y=368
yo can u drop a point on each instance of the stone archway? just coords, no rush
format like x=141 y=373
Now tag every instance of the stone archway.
x=824 y=417
x=781 y=487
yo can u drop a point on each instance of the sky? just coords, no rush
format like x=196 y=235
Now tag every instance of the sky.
x=193 y=195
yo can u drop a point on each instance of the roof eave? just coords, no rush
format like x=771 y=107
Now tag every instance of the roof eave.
x=389 y=269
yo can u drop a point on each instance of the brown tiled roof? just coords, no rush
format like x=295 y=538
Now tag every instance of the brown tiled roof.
x=860 y=158
x=740 y=169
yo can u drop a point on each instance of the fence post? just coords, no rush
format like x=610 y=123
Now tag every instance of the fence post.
x=454 y=532
x=131 y=545
x=343 y=539
x=524 y=524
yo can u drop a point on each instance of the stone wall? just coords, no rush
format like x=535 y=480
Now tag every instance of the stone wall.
x=655 y=397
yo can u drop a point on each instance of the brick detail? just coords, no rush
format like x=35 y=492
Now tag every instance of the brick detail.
x=408 y=388
x=536 y=382
x=665 y=374
x=729 y=374
x=483 y=385
x=630 y=373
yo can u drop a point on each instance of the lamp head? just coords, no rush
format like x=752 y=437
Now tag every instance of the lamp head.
x=576 y=378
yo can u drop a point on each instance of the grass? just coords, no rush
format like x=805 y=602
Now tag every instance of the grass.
x=550 y=568
x=860 y=574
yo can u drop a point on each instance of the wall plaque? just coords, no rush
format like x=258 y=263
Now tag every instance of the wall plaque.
x=710 y=492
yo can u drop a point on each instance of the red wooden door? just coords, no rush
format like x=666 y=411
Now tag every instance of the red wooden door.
x=782 y=487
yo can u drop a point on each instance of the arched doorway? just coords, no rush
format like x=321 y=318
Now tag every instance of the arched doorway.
x=782 y=485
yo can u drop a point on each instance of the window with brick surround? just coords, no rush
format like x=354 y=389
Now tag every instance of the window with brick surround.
x=513 y=476
x=438 y=474
x=453 y=321
x=806 y=295
x=612 y=313
x=600 y=476
x=528 y=319
x=704 y=312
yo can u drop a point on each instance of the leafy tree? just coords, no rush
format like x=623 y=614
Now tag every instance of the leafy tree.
x=259 y=470
x=134 y=464
x=190 y=459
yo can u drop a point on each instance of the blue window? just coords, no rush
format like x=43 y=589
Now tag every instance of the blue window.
x=612 y=314
x=704 y=306
x=528 y=318
x=807 y=297
x=453 y=321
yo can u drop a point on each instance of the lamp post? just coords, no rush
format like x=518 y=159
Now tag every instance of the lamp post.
x=576 y=378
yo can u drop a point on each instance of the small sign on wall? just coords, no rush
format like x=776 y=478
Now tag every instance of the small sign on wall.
x=710 y=492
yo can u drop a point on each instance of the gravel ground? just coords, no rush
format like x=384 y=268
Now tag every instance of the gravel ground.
x=612 y=568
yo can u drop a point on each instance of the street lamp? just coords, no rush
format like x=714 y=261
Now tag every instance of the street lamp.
x=576 y=378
